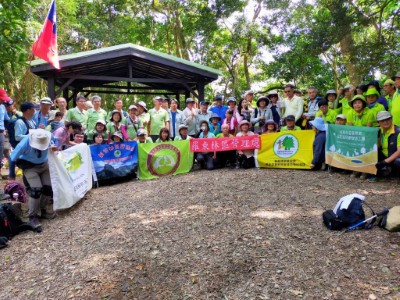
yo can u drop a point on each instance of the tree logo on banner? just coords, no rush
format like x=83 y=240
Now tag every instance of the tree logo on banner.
x=163 y=160
x=117 y=153
x=286 y=146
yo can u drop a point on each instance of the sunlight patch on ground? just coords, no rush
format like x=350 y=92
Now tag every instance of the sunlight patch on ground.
x=97 y=259
x=266 y=214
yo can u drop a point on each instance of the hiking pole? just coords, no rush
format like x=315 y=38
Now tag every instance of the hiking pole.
x=382 y=213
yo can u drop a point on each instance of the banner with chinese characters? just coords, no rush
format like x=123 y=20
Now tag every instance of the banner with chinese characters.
x=225 y=144
x=115 y=160
x=71 y=175
x=352 y=148
x=162 y=159
x=287 y=150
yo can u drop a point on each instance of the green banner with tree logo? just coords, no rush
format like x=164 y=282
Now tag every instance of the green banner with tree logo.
x=352 y=148
x=162 y=159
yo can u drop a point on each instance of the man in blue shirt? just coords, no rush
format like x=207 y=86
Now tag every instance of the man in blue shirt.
x=41 y=117
x=4 y=98
x=218 y=108
x=31 y=156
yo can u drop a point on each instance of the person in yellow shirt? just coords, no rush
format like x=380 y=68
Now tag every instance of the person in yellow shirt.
x=395 y=103
x=374 y=106
x=324 y=112
x=389 y=145
x=359 y=115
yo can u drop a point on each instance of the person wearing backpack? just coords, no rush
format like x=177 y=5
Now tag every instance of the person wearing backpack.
x=31 y=156
x=13 y=114
x=18 y=129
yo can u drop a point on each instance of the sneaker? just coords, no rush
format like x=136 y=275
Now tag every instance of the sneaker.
x=47 y=215
x=372 y=179
x=34 y=222
x=355 y=174
x=363 y=176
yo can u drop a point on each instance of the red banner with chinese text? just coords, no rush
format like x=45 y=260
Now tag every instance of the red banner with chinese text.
x=225 y=144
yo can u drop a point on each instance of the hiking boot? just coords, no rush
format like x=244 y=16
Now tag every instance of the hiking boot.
x=47 y=215
x=34 y=222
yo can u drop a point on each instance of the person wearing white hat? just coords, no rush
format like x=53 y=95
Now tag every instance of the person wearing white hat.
x=142 y=113
x=142 y=137
x=389 y=148
x=42 y=116
x=132 y=124
x=31 y=156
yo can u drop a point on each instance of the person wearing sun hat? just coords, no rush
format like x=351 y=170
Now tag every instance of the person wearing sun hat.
x=182 y=133
x=142 y=137
x=261 y=114
x=359 y=115
x=319 y=126
x=31 y=156
x=372 y=96
x=99 y=129
x=142 y=113
x=389 y=146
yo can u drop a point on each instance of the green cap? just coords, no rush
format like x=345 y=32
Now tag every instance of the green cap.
x=372 y=91
x=389 y=81
x=358 y=97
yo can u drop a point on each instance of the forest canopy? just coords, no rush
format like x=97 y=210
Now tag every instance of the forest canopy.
x=255 y=44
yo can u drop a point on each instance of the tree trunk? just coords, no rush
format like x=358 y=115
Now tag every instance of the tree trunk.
x=348 y=51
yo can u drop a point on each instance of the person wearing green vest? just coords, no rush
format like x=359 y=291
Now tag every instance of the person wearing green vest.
x=324 y=112
x=359 y=115
x=78 y=113
x=395 y=109
x=94 y=114
x=390 y=90
x=372 y=96
x=389 y=146
x=344 y=103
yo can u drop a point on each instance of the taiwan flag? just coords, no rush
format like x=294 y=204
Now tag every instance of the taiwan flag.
x=45 y=45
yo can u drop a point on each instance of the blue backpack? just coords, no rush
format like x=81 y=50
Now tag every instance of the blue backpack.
x=11 y=130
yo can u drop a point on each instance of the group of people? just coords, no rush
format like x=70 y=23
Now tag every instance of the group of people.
x=33 y=131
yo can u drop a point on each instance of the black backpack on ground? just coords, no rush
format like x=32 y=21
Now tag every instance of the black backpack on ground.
x=10 y=223
x=345 y=218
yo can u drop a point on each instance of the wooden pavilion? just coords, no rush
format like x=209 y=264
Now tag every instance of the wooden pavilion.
x=124 y=69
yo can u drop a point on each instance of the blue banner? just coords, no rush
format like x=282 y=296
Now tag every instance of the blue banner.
x=115 y=160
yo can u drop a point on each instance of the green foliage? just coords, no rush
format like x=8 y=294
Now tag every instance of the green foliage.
x=326 y=44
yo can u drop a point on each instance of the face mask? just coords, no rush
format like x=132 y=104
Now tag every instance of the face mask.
x=203 y=128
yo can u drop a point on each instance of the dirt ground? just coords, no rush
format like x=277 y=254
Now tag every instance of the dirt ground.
x=224 y=234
